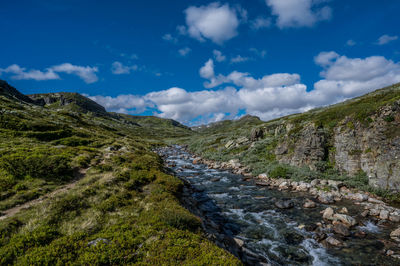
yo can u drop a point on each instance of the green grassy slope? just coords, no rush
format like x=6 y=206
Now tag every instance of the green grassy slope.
x=96 y=178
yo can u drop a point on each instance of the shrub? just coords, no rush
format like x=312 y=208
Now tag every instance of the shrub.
x=53 y=167
x=7 y=181
x=73 y=141
x=279 y=172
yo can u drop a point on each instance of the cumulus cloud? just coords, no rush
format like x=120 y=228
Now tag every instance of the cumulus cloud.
x=299 y=13
x=21 y=73
x=215 y=22
x=87 y=74
x=122 y=103
x=117 y=68
x=184 y=51
x=349 y=77
x=384 y=39
x=269 y=96
x=219 y=57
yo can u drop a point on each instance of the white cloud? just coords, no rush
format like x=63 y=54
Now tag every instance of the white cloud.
x=207 y=71
x=351 y=43
x=117 y=68
x=325 y=58
x=299 y=13
x=239 y=59
x=350 y=77
x=20 y=73
x=384 y=39
x=216 y=22
x=122 y=103
x=184 y=51
x=88 y=74
x=179 y=104
x=219 y=57
x=269 y=96
x=260 y=23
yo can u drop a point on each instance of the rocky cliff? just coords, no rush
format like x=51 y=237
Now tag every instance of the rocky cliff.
x=370 y=144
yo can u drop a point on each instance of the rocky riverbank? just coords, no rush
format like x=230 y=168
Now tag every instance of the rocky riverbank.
x=336 y=223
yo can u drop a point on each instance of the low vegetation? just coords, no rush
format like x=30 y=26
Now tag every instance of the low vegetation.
x=104 y=196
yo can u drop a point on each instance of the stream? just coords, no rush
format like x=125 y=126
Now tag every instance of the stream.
x=239 y=209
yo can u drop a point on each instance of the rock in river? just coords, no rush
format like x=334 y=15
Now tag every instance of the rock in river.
x=284 y=204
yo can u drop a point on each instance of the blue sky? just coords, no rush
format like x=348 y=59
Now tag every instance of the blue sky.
x=202 y=61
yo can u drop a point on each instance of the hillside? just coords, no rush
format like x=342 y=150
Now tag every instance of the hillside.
x=357 y=141
x=79 y=185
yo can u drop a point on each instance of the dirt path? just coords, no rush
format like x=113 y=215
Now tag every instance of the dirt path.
x=11 y=212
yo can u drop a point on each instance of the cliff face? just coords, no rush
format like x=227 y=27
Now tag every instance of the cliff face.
x=350 y=146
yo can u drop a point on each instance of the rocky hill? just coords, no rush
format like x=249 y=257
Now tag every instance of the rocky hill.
x=71 y=101
x=357 y=140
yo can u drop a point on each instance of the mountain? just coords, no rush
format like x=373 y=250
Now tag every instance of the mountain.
x=357 y=140
x=82 y=186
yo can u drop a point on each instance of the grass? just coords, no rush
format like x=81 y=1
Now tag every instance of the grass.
x=124 y=197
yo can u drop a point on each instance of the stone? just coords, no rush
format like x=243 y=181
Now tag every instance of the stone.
x=256 y=134
x=345 y=219
x=394 y=218
x=374 y=212
x=389 y=252
x=284 y=185
x=365 y=213
x=395 y=234
x=333 y=241
x=239 y=241
x=309 y=204
x=284 y=204
x=242 y=140
x=229 y=144
x=263 y=176
x=327 y=214
x=384 y=215
x=344 y=210
x=341 y=229
x=376 y=201
x=314 y=182
x=303 y=187
x=360 y=197
x=326 y=198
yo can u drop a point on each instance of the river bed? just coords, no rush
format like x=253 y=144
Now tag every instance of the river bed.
x=242 y=210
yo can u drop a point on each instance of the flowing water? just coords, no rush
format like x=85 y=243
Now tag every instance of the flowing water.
x=245 y=211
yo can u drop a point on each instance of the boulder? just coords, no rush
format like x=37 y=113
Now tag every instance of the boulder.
x=256 y=134
x=309 y=204
x=327 y=214
x=341 y=229
x=229 y=144
x=284 y=204
x=326 y=198
x=384 y=215
x=395 y=234
x=394 y=218
x=333 y=241
x=345 y=219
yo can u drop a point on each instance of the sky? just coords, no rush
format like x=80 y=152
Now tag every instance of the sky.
x=202 y=61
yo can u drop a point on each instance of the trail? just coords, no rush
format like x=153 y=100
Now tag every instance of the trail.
x=78 y=175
